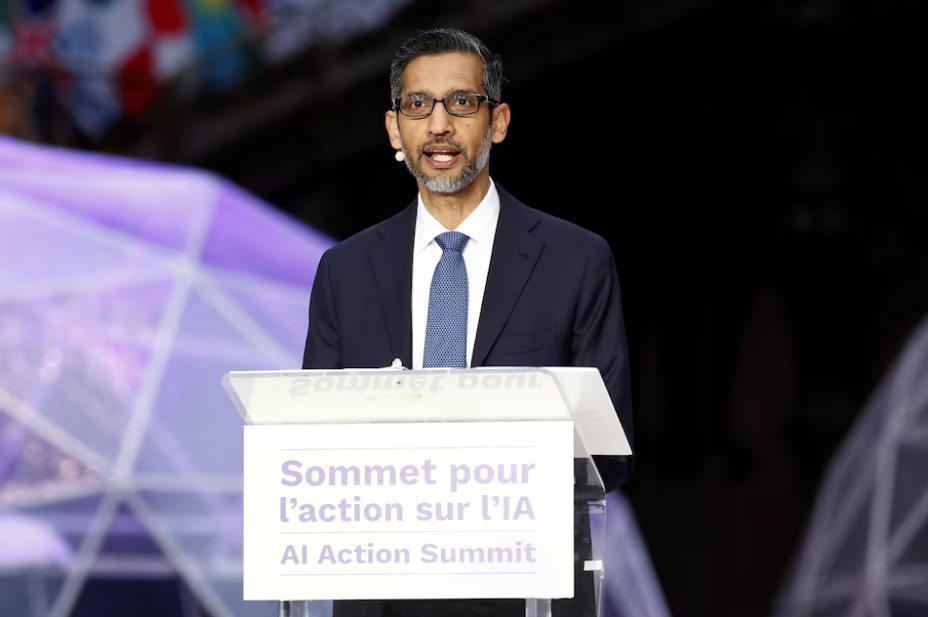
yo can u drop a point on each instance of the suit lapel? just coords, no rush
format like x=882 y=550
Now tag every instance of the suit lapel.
x=391 y=260
x=515 y=253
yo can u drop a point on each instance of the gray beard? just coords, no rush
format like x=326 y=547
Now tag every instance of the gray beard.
x=449 y=186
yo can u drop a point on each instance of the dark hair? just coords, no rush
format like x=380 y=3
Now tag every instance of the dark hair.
x=446 y=41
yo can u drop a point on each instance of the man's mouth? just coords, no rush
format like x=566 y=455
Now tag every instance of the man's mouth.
x=442 y=157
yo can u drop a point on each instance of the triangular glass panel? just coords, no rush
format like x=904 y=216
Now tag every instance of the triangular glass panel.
x=280 y=310
x=916 y=403
x=250 y=236
x=34 y=471
x=916 y=437
x=909 y=482
x=920 y=419
x=157 y=204
x=127 y=536
x=193 y=428
x=49 y=535
x=37 y=333
x=841 y=491
x=207 y=333
x=206 y=527
x=79 y=360
x=847 y=553
x=916 y=552
x=28 y=230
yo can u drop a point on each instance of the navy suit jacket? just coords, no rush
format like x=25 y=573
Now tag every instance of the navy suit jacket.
x=552 y=299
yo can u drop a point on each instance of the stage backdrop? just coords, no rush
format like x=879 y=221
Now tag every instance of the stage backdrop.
x=127 y=290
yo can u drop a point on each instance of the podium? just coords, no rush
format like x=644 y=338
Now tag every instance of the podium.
x=435 y=484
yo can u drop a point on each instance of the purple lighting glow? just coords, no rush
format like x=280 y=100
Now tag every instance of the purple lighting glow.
x=126 y=291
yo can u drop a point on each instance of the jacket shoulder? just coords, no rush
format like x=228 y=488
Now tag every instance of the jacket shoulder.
x=552 y=229
x=570 y=236
x=354 y=246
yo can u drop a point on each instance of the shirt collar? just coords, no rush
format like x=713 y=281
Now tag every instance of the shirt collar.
x=479 y=226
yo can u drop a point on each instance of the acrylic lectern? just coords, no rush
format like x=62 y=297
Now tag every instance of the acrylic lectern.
x=392 y=484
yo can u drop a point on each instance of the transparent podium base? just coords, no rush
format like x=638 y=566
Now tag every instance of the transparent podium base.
x=304 y=608
x=537 y=608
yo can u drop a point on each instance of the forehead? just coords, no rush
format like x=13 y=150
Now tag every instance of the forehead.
x=438 y=75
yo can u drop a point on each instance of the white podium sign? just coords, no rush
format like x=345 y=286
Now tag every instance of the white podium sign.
x=409 y=511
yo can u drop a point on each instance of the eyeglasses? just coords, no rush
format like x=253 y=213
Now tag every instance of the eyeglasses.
x=457 y=104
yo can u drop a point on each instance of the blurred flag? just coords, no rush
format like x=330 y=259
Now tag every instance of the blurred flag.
x=102 y=44
x=172 y=47
x=219 y=31
x=110 y=59
x=6 y=32
x=32 y=42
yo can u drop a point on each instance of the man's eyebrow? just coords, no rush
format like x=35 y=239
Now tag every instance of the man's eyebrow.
x=449 y=92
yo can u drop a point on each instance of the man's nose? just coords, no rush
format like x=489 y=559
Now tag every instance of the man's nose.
x=440 y=121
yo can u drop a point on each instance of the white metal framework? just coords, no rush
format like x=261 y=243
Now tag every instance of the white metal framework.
x=866 y=547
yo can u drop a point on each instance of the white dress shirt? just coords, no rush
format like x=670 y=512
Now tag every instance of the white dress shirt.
x=480 y=227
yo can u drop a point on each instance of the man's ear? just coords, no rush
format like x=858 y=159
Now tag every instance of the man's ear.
x=501 y=119
x=393 y=130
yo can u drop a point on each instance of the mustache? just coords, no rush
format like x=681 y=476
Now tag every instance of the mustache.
x=444 y=142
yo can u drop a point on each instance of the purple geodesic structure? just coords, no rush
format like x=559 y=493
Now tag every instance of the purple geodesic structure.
x=865 y=551
x=126 y=291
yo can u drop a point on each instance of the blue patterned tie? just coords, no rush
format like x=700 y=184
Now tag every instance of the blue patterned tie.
x=446 y=329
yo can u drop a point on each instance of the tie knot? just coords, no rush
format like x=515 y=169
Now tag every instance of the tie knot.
x=452 y=241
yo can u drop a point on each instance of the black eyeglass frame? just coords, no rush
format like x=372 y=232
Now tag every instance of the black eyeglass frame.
x=481 y=98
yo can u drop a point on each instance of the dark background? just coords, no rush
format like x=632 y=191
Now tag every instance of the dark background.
x=759 y=169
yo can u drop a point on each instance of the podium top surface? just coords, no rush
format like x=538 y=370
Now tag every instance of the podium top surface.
x=363 y=396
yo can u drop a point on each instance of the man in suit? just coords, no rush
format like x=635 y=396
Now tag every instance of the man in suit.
x=466 y=275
